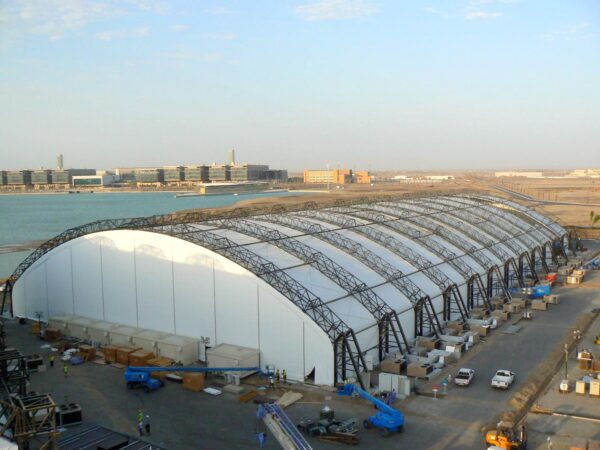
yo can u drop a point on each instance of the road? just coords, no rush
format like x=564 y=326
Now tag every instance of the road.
x=531 y=199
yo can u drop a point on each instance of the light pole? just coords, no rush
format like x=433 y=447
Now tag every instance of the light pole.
x=566 y=362
x=577 y=338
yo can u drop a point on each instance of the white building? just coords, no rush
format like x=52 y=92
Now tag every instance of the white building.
x=519 y=174
x=314 y=291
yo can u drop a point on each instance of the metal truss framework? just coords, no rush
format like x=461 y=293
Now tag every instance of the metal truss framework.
x=440 y=219
x=420 y=300
x=449 y=217
x=449 y=289
x=387 y=320
x=349 y=359
x=407 y=227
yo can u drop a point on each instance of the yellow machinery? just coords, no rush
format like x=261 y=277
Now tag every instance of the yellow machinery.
x=597 y=341
x=505 y=436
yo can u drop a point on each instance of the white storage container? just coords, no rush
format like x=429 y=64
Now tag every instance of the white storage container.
x=227 y=355
x=79 y=327
x=100 y=332
x=123 y=335
x=179 y=348
x=61 y=323
x=148 y=340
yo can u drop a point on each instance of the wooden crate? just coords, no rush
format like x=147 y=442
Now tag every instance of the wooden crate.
x=88 y=353
x=160 y=361
x=52 y=334
x=140 y=358
x=123 y=354
x=110 y=353
x=193 y=381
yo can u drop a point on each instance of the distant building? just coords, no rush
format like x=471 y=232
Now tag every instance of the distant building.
x=18 y=177
x=93 y=180
x=247 y=172
x=41 y=177
x=362 y=177
x=584 y=173
x=280 y=176
x=149 y=176
x=439 y=177
x=125 y=173
x=219 y=172
x=3 y=180
x=195 y=174
x=519 y=174
x=173 y=174
x=336 y=176
x=59 y=161
x=231 y=157
x=65 y=177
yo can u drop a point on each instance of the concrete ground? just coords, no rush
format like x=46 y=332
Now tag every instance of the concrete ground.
x=187 y=420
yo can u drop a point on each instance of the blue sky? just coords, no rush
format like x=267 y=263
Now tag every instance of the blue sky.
x=297 y=84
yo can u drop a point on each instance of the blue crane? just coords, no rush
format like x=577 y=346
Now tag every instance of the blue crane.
x=387 y=420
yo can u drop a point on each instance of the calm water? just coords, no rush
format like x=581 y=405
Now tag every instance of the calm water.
x=26 y=218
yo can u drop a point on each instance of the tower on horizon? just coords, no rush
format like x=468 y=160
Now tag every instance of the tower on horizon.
x=59 y=161
x=231 y=157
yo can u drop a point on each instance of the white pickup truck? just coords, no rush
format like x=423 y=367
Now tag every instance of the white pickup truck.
x=464 y=377
x=503 y=379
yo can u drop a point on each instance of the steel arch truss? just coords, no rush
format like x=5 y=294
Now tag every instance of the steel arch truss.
x=381 y=311
x=394 y=245
x=408 y=229
x=395 y=277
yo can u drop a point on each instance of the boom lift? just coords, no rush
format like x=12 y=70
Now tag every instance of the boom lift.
x=387 y=420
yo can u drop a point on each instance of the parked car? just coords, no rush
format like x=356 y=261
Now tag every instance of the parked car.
x=464 y=377
x=503 y=379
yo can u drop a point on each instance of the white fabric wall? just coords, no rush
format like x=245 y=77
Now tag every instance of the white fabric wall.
x=153 y=281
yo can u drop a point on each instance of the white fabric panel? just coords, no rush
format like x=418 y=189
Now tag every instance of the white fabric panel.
x=60 y=288
x=236 y=303
x=274 y=254
x=380 y=250
x=118 y=277
x=393 y=297
x=348 y=262
x=19 y=299
x=36 y=294
x=319 y=354
x=352 y=313
x=87 y=277
x=316 y=282
x=194 y=290
x=238 y=238
x=281 y=337
x=154 y=282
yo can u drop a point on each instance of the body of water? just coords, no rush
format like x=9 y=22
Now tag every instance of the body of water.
x=25 y=219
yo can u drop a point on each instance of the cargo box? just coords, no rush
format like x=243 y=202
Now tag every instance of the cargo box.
x=140 y=358
x=193 y=381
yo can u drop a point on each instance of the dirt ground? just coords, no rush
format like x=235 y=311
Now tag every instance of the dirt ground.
x=585 y=192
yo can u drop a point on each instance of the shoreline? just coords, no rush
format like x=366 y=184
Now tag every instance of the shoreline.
x=166 y=191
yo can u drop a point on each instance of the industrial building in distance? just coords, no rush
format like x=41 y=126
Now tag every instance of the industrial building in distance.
x=336 y=176
x=180 y=176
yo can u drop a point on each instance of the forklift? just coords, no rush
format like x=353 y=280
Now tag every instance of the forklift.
x=506 y=436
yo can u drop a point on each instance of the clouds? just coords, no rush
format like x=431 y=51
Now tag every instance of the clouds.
x=336 y=10
x=482 y=15
x=54 y=19
x=178 y=28
x=574 y=31
x=123 y=34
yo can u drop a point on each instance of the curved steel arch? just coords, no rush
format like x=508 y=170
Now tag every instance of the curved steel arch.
x=354 y=287
x=349 y=357
x=396 y=246
x=419 y=299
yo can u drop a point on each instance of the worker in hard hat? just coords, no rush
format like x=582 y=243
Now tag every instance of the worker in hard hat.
x=277 y=376
x=284 y=376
